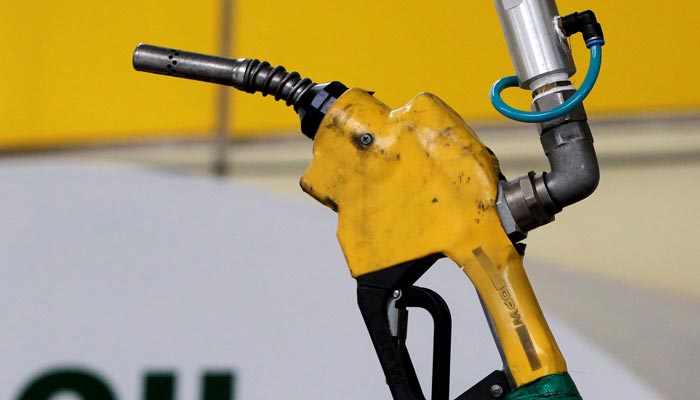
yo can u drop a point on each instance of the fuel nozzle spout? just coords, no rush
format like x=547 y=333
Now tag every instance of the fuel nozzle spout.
x=310 y=100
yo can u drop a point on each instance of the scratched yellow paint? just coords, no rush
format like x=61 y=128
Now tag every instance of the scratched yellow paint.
x=427 y=185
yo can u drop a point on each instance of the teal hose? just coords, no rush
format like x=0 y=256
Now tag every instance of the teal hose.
x=566 y=107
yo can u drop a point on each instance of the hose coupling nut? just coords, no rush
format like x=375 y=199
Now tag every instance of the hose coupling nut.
x=524 y=204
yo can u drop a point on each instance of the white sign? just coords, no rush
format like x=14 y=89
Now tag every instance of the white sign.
x=147 y=282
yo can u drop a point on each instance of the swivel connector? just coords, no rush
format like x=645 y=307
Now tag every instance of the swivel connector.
x=584 y=22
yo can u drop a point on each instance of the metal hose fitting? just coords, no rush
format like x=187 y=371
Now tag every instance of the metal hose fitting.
x=533 y=200
x=246 y=74
x=310 y=100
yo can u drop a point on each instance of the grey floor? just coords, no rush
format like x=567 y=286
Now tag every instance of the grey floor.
x=621 y=267
x=654 y=334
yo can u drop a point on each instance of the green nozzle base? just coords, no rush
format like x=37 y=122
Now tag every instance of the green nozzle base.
x=550 y=387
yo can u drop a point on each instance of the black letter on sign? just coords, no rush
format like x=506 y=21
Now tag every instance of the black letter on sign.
x=217 y=386
x=83 y=384
x=159 y=386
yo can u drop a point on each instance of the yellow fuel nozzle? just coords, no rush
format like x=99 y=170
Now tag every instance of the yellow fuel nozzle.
x=310 y=100
x=410 y=185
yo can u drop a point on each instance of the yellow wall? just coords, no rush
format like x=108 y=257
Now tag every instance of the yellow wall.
x=67 y=78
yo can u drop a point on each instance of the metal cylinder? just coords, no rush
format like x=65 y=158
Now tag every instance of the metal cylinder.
x=185 y=64
x=540 y=55
x=245 y=74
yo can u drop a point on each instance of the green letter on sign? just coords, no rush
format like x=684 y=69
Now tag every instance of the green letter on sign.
x=83 y=384
x=215 y=386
